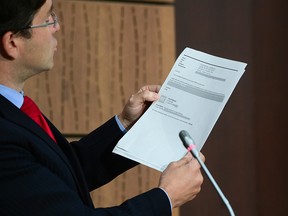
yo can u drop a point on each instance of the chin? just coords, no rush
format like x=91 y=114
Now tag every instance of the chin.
x=49 y=66
x=46 y=69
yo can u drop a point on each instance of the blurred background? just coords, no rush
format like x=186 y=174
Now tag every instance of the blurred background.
x=108 y=49
x=247 y=149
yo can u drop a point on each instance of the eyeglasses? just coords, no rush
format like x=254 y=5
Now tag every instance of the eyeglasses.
x=54 y=23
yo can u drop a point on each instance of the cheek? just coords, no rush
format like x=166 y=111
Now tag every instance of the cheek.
x=40 y=46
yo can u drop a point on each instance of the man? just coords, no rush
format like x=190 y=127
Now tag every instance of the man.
x=42 y=174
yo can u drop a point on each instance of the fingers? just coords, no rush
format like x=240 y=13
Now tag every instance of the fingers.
x=182 y=180
x=189 y=159
x=185 y=160
x=202 y=157
x=137 y=104
x=148 y=93
x=151 y=88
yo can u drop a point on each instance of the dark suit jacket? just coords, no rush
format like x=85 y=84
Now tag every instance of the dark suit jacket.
x=39 y=177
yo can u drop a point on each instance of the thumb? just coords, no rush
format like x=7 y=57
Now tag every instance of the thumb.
x=186 y=159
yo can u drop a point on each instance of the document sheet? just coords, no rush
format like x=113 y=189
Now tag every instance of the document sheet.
x=191 y=98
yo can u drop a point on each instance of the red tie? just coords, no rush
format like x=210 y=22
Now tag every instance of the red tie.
x=32 y=110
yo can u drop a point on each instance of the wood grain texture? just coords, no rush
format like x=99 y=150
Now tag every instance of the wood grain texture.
x=106 y=52
x=134 y=1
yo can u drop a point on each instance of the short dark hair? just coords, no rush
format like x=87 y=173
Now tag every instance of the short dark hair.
x=18 y=14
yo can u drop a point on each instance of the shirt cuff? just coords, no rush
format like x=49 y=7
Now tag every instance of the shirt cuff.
x=122 y=128
x=168 y=198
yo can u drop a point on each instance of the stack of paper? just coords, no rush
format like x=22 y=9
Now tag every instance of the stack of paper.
x=191 y=98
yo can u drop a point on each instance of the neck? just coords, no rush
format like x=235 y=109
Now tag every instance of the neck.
x=11 y=83
x=11 y=78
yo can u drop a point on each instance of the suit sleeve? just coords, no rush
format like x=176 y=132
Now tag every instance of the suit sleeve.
x=95 y=155
x=30 y=186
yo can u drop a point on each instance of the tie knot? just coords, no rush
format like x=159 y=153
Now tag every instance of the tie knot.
x=32 y=110
x=29 y=107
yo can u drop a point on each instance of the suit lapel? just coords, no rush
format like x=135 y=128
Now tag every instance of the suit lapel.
x=13 y=114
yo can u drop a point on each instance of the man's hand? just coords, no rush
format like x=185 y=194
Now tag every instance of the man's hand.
x=182 y=180
x=137 y=104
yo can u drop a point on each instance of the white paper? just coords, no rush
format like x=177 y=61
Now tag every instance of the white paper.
x=191 y=98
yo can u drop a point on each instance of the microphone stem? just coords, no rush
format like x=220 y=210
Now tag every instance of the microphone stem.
x=204 y=167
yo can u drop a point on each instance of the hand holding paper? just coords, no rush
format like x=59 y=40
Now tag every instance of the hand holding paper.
x=191 y=98
x=137 y=104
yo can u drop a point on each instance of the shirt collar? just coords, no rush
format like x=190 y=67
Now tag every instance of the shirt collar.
x=12 y=95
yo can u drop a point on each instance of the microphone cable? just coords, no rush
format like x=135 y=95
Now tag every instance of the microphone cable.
x=191 y=147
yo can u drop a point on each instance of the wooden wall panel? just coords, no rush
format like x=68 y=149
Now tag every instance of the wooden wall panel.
x=135 y=1
x=106 y=52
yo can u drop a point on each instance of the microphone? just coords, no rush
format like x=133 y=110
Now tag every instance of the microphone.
x=190 y=145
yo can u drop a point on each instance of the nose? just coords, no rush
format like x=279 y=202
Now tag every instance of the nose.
x=57 y=27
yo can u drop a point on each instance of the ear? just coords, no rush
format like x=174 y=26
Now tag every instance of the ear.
x=9 y=45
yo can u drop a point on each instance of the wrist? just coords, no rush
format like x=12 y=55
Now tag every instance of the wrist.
x=125 y=123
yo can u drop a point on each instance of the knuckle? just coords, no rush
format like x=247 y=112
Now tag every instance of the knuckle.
x=200 y=179
x=198 y=189
x=203 y=158
x=173 y=164
x=132 y=98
